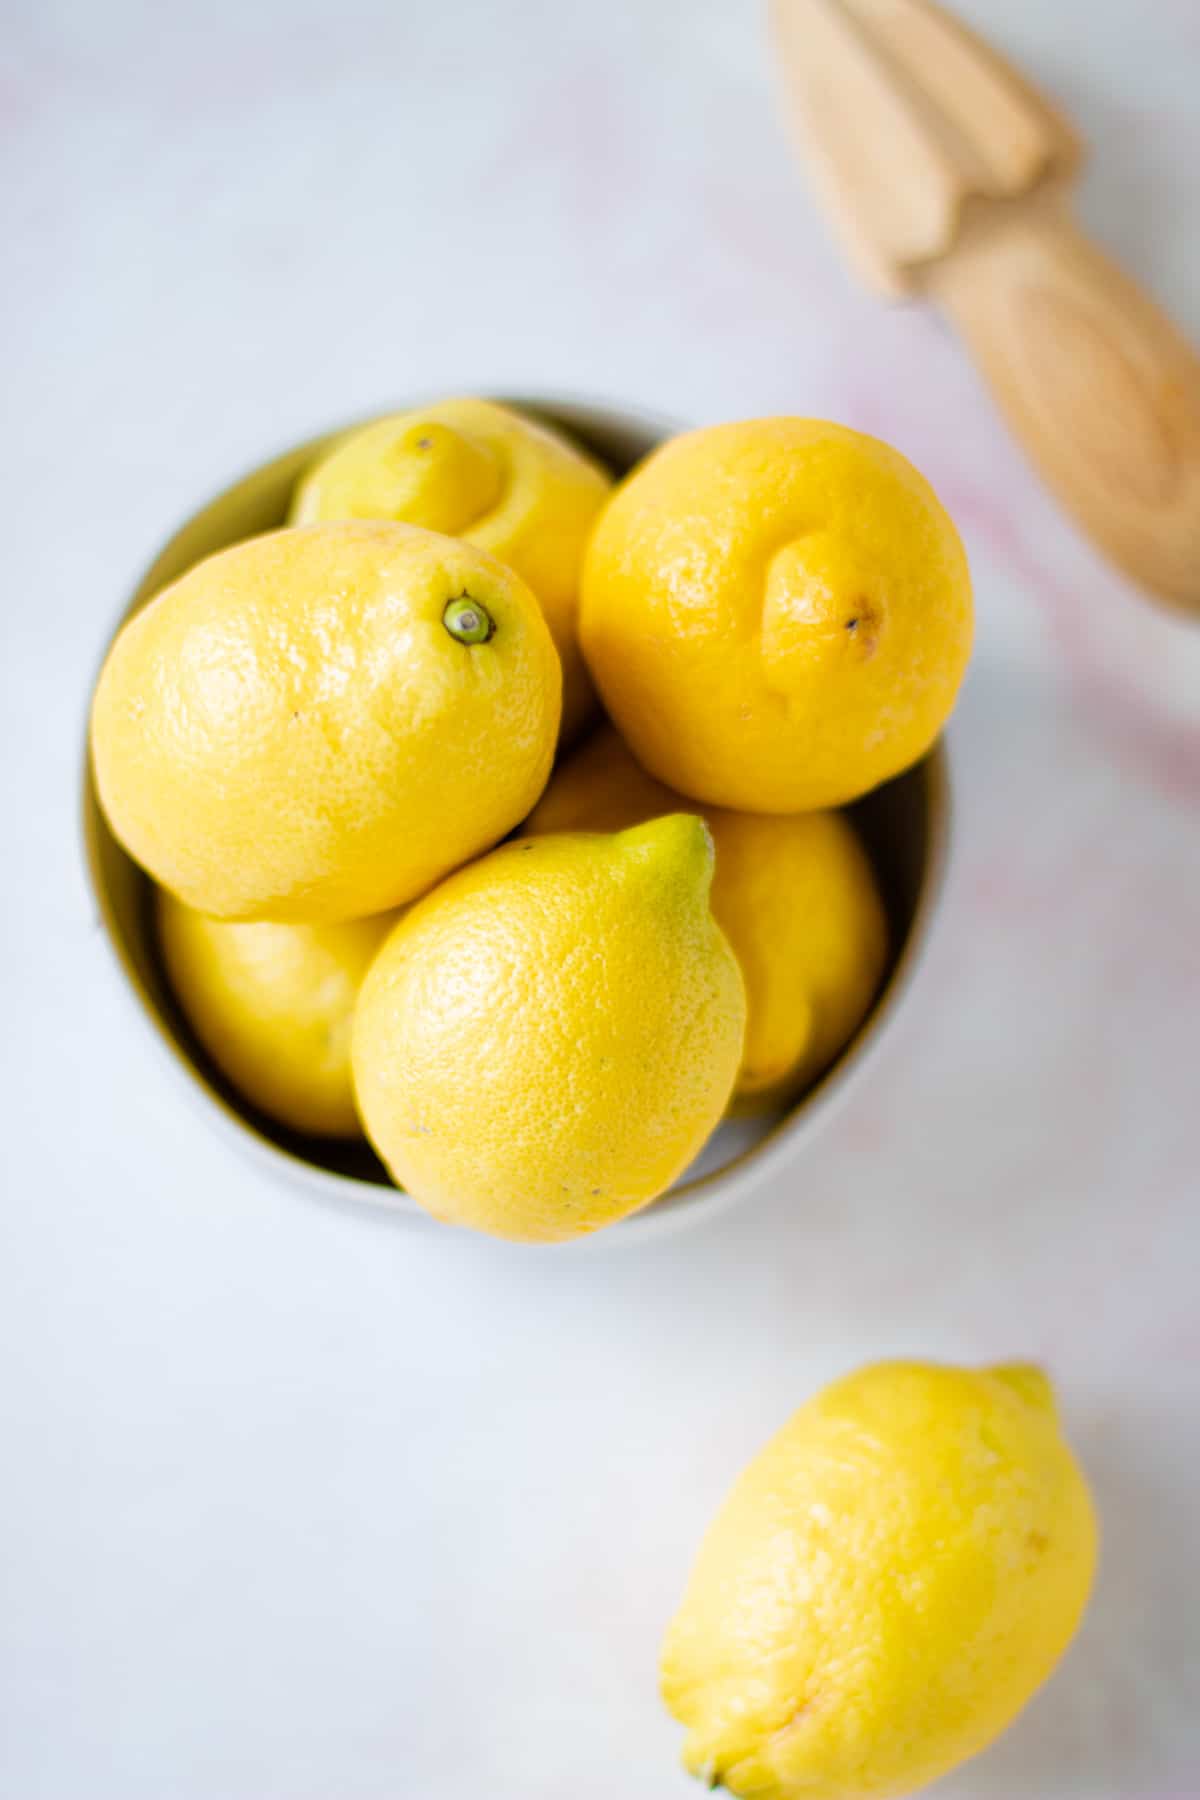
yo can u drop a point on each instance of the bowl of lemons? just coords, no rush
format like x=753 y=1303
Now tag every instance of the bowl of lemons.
x=519 y=813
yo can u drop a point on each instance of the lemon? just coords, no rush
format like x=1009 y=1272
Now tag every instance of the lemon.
x=795 y=896
x=273 y=1006
x=601 y=786
x=487 y=474
x=321 y=723
x=888 y=1583
x=545 y=1041
x=777 y=614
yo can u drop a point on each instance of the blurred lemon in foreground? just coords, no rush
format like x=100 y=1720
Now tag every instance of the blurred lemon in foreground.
x=777 y=614
x=795 y=896
x=320 y=723
x=487 y=474
x=545 y=1041
x=888 y=1583
x=273 y=1006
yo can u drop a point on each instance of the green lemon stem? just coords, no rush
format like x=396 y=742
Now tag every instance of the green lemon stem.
x=467 y=621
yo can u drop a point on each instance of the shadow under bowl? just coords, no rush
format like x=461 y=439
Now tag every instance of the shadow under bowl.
x=904 y=825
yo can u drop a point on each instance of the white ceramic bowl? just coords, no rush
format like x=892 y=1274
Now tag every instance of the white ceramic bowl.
x=904 y=824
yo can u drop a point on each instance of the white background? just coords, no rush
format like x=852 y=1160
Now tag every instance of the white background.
x=303 y=1505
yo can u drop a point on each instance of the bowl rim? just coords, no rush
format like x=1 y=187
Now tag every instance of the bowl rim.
x=716 y=1188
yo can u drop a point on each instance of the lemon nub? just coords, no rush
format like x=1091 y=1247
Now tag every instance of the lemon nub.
x=468 y=621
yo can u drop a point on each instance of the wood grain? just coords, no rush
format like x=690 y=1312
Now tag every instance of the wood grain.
x=947 y=174
x=1098 y=385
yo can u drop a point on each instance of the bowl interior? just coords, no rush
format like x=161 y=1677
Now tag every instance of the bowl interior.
x=902 y=824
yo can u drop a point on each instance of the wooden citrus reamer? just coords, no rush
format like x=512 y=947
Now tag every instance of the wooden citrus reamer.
x=950 y=177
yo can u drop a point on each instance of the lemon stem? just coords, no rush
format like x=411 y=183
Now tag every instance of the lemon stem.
x=467 y=621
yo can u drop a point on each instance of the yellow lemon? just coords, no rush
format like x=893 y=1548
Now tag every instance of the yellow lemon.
x=487 y=474
x=545 y=1041
x=273 y=1006
x=888 y=1583
x=777 y=614
x=795 y=896
x=320 y=723
x=601 y=787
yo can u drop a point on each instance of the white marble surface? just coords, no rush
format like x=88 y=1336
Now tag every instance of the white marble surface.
x=302 y=1505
